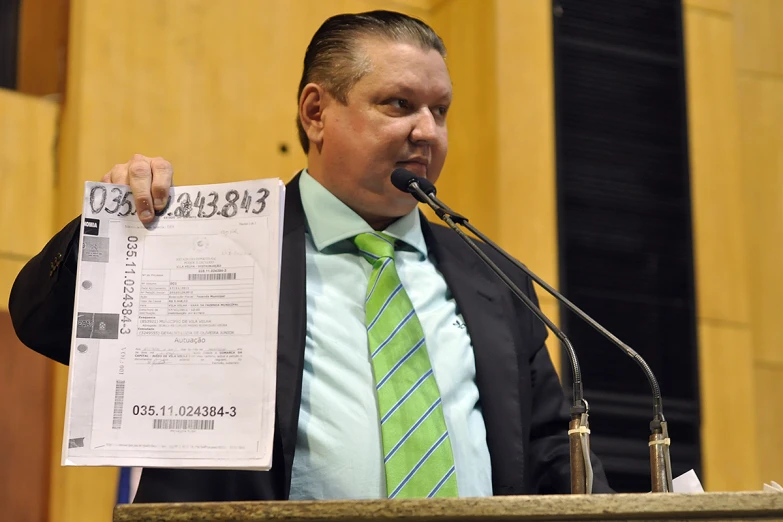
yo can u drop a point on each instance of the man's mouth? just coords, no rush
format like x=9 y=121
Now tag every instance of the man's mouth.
x=416 y=165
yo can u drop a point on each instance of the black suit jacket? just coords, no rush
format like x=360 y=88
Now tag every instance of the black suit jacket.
x=523 y=404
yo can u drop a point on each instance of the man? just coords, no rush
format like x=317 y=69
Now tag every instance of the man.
x=405 y=368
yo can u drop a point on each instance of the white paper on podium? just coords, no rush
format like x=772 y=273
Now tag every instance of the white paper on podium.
x=174 y=345
x=772 y=487
x=688 y=482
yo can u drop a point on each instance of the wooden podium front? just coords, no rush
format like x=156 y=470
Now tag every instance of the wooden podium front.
x=641 y=506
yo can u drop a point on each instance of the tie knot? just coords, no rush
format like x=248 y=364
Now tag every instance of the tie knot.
x=375 y=245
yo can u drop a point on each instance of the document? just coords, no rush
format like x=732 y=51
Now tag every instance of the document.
x=174 y=345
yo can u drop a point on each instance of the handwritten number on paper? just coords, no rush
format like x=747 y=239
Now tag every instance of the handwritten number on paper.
x=115 y=200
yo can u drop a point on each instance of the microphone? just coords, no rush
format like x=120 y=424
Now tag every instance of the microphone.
x=404 y=180
x=659 y=442
x=579 y=430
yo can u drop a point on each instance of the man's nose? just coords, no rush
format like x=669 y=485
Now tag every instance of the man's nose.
x=424 y=128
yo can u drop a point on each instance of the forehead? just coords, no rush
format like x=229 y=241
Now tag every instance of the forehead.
x=404 y=66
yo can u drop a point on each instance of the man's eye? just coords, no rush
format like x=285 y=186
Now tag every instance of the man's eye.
x=400 y=103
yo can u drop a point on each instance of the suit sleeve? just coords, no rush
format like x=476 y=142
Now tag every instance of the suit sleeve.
x=550 y=464
x=41 y=301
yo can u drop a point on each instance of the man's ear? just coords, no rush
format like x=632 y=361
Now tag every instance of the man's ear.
x=311 y=112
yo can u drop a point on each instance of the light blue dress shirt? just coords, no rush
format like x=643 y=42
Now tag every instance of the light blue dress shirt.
x=338 y=448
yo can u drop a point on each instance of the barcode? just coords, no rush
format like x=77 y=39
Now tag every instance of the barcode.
x=212 y=277
x=119 y=399
x=177 y=424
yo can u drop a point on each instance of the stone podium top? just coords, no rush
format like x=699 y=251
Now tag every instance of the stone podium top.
x=649 y=506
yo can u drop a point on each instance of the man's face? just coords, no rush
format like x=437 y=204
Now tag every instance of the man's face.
x=395 y=116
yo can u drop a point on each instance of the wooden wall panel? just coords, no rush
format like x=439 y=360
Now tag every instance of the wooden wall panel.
x=769 y=411
x=759 y=40
x=719 y=6
x=500 y=170
x=760 y=85
x=716 y=179
x=761 y=110
x=730 y=457
x=27 y=153
x=526 y=187
x=25 y=403
x=721 y=264
x=43 y=42
x=419 y=8
x=735 y=77
x=470 y=174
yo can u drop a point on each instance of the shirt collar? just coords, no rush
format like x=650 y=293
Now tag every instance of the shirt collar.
x=330 y=221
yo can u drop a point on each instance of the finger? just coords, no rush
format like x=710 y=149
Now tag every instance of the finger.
x=140 y=180
x=162 y=176
x=106 y=178
x=118 y=174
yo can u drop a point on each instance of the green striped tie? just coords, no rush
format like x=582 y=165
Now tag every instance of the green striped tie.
x=416 y=445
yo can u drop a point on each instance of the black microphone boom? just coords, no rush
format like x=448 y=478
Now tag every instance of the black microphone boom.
x=430 y=190
x=406 y=181
x=581 y=469
x=659 y=439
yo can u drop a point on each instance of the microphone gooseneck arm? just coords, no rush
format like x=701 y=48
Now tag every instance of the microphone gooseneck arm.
x=579 y=428
x=660 y=460
x=656 y=390
x=447 y=217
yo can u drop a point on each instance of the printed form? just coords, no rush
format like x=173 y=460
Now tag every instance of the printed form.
x=174 y=344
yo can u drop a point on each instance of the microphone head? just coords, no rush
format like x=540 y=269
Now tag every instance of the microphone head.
x=402 y=178
x=427 y=186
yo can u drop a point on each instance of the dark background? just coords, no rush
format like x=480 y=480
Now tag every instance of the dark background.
x=624 y=223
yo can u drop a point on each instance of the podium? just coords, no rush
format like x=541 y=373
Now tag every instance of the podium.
x=637 y=506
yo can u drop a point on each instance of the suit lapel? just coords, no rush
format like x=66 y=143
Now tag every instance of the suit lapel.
x=484 y=305
x=291 y=327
